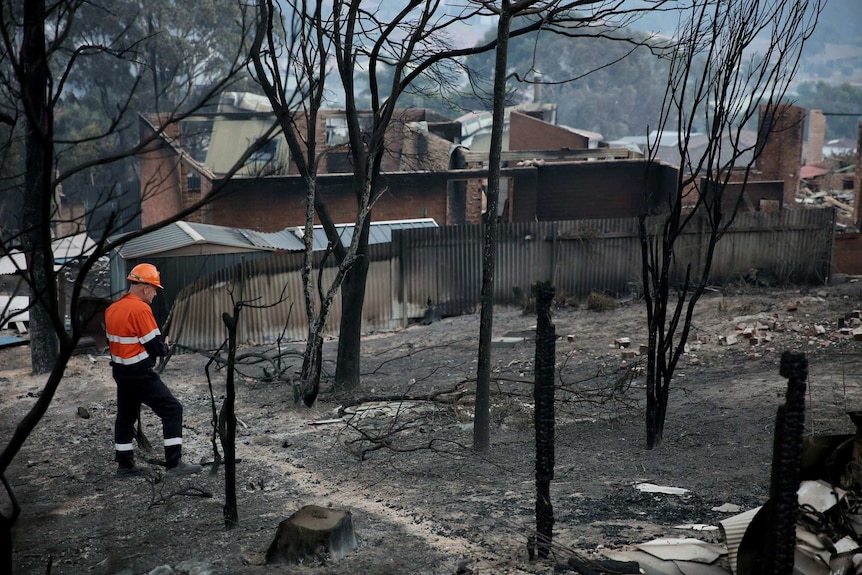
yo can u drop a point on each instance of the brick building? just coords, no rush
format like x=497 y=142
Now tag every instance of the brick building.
x=425 y=171
x=267 y=193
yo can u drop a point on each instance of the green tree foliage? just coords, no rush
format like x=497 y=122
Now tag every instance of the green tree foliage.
x=598 y=83
x=834 y=99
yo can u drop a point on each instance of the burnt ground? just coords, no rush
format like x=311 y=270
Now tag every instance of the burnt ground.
x=422 y=501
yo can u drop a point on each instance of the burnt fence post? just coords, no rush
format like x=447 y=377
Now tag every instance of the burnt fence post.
x=543 y=394
x=783 y=508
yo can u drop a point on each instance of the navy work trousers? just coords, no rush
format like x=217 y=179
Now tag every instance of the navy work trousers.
x=146 y=387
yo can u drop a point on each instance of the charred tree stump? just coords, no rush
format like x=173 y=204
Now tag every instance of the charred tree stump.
x=312 y=534
x=543 y=394
x=783 y=508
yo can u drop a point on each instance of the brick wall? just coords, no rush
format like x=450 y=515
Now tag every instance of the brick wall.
x=780 y=138
x=164 y=179
x=587 y=190
x=847 y=254
x=161 y=183
x=279 y=203
x=192 y=196
x=528 y=133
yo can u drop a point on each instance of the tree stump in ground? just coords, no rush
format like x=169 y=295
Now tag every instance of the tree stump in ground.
x=312 y=534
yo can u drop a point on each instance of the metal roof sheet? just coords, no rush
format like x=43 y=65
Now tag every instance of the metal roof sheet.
x=13 y=263
x=283 y=240
x=380 y=232
x=65 y=249
x=163 y=240
x=181 y=234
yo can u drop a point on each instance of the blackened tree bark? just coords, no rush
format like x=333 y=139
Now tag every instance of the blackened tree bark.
x=543 y=394
x=347 y=372
x=228 y=420
x=38 y=180
x=481 y=422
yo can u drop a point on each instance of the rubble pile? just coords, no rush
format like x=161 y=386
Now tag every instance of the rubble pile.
x=761 y=332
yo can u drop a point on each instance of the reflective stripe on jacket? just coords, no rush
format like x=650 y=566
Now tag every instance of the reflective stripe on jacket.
x=130 y=324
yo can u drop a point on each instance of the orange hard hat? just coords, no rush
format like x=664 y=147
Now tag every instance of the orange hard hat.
x=145 y=274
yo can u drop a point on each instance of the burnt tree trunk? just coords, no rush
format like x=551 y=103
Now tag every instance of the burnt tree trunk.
x=347 y=372
x=38 y=184
x=543 y=394
x=228 y=417
x=482 y=422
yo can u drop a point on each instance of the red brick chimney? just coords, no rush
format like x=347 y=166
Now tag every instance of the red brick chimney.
x=816 y=135
x=779 y=138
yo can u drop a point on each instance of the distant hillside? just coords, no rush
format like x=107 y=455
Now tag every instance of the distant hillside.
x=598 y=84
x=833 y=54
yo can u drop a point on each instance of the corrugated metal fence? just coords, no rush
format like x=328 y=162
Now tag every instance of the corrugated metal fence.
x=444 y=266
x=579 y=257
x=274 y=305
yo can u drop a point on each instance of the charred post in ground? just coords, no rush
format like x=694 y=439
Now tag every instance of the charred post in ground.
x=227 y=423
x=543 y=394
x=783 y=507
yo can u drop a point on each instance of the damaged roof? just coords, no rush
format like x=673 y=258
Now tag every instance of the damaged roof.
x=182 y=235
x=380 y=233
x=183 y=238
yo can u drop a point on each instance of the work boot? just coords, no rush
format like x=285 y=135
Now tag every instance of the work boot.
x=126 y=469
x=183 y=468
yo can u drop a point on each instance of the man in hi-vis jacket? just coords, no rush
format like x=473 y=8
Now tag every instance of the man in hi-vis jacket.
x=135 y=341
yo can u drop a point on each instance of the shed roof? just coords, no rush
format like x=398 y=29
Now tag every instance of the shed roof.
x=180 y=235
x=183 y=234
x=380 y=232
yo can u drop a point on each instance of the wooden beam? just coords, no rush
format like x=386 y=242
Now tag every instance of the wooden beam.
x=838 y=204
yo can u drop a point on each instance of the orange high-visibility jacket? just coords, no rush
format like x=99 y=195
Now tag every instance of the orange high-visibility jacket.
x=130 y=324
